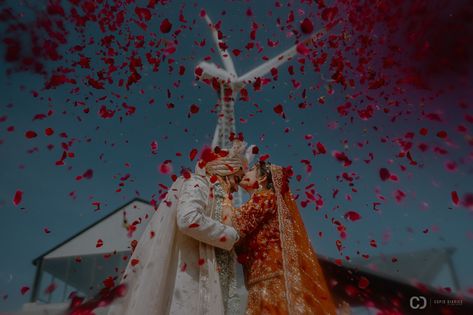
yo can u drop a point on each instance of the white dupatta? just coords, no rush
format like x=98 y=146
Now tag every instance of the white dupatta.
x=151 y=282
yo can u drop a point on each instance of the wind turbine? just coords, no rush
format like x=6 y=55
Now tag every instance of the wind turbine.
x=230 y=84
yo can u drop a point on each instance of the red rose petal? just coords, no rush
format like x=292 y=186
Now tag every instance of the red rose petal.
x=18 y=197
x=384 y=174
x=99 y=243
x=154 y=147
x=306 y=26
x=30 y=134
x=363 y=282
x=165 y=26
x=194 y=109
x=193 y=154
x=455 y=198
x=24 y=289
x=352 y=216
x=165 y=167
x=48 y=131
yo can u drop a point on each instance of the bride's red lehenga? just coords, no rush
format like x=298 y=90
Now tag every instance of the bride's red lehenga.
x=282 y=273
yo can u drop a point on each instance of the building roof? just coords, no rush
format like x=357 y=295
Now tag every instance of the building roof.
x=37 y=259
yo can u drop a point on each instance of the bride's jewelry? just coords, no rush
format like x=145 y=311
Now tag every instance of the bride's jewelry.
x=260 y=187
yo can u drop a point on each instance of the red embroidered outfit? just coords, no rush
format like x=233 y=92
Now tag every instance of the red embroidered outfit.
x=281 y=270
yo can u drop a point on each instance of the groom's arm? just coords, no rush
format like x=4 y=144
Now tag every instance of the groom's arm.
x=192 y=221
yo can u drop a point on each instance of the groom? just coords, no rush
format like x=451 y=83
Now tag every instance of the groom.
x=206 y=253
x=184 y=262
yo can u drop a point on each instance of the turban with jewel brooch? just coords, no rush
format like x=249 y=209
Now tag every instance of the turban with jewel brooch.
x=223 y=162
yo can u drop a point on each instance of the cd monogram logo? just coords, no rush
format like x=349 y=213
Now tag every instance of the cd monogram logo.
x=418 y=302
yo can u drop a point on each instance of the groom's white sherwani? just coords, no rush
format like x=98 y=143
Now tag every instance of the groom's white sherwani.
x=177 y=270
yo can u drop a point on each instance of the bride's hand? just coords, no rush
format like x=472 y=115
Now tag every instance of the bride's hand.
x=227 y=214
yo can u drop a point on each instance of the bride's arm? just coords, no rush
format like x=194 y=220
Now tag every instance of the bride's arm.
x=253 y=213
x=192 y=221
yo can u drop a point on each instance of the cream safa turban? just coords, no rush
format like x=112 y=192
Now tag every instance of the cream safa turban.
x=225 y=165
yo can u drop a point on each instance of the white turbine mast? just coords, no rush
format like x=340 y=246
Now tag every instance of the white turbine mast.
x=230 y=84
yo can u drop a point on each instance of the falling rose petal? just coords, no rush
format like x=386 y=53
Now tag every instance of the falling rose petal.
x=455 y=198
x=17 y=197
x=279 y=109
x=351 y=290
x=341 y=157
x=264 y=157
x=399 y=195
x=352 y=216
x=95 y=84
x=201 y=261
x=50 y=288
x=450 y=166
x=306 y=26
x=194 y=109
x=88 y=174
x=109 y=282
x=165 y=167
x=165 y=26
x=363 y=282
x=423 y=131
x=46 y=230
x=49 y=131
x=302 y=49
x=321 y=148
x=193 y=154
x=442 y=134
x=24 y=289
x=467 y=201
x=154 y=147
x=186 y=174
x=30 y=134
x=384 y=174
x=135 y=262
x=143 y=13
x=99 y=243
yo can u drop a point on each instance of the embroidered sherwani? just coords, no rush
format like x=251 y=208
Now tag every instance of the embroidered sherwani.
x=260 y=252
x=198 y=219
x=178 y=268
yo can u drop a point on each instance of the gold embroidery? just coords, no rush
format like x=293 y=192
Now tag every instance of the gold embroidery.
x=281 y=270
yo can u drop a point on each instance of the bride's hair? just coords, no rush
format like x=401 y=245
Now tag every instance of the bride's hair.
x=264 y=169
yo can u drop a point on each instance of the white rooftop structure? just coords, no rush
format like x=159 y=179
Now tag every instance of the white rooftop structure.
x=82 y=262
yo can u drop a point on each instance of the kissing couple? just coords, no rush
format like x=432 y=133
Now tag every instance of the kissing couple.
x=189 y=249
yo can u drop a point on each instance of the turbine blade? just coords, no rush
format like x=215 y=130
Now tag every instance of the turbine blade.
x=224 y=54
x=277 y=61
x=210 y=70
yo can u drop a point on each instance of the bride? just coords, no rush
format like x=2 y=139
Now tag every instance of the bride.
x=282 y=273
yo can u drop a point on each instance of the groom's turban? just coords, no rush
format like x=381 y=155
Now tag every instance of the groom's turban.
x=223 y=162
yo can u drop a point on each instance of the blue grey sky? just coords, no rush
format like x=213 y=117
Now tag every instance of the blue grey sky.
x=114 y=148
